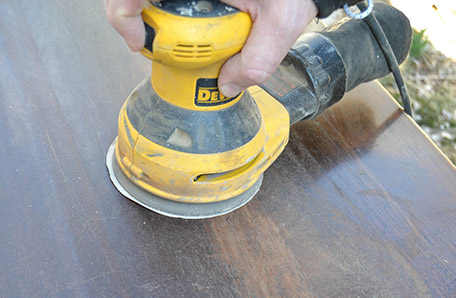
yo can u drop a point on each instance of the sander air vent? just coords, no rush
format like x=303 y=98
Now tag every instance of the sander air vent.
x=183 y=51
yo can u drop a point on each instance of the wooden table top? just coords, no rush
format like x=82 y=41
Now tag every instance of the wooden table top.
x=360 y=203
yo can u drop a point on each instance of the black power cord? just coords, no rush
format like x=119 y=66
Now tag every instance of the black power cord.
x=384 y=44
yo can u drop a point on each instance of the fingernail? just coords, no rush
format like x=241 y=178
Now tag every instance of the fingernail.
x=230 y=90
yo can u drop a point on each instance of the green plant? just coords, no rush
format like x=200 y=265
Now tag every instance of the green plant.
x=420 y=44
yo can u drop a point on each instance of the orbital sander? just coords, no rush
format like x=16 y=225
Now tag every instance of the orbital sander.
x=185 y=150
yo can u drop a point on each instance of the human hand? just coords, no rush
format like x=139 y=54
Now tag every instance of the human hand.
x=276 y=26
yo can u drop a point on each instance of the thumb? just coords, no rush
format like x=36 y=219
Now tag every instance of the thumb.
x=272 y=35
x=256 y=62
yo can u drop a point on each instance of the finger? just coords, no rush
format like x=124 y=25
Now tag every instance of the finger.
x=125 y=17
x=255 y=63
x=273 y=33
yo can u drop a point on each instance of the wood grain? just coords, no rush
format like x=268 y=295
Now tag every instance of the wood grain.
x=361 y=203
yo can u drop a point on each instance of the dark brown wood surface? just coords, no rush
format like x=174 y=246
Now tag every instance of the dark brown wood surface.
x=361 y=203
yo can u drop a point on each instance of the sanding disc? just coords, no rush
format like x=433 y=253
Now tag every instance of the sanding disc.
x=172 y=208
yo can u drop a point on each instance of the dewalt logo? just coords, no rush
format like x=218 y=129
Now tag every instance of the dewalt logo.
x=207 y=93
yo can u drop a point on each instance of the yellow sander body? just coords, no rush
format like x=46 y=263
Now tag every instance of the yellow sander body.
x=184 y=150
x=192 y=152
